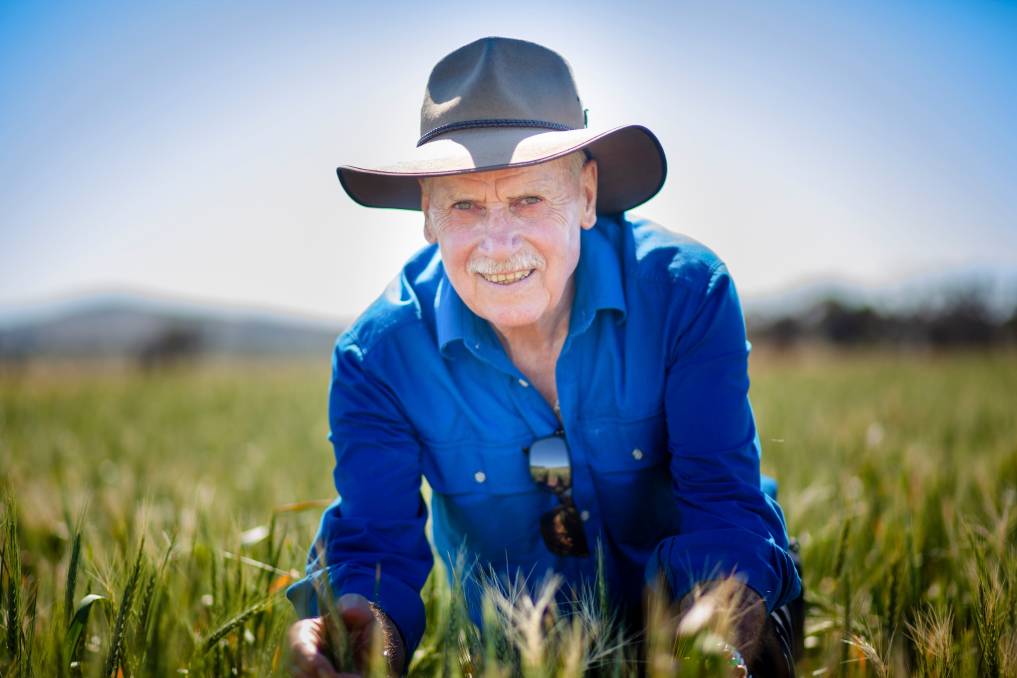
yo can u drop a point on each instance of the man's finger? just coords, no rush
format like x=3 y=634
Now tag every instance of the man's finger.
x=306 y=637
x=315 y=666
x=307 y=659
x=323 y=667
x=355 y=610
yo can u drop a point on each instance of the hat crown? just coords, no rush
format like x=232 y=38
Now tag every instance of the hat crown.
x=497 y=82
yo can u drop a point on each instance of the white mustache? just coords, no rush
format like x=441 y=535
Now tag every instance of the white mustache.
x=519 y=262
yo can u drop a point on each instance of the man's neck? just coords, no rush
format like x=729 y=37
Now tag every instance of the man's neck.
x=542 y=339
x=534 y=349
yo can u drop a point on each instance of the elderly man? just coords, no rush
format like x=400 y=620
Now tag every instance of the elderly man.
x=561 y=374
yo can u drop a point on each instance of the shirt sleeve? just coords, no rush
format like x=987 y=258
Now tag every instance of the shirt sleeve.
x=372 y=539
x=728 y=525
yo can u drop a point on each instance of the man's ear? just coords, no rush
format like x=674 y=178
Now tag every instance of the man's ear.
x=425 y=201
x=588 y=192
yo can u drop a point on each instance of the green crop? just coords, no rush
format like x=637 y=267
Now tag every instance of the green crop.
x=151 y=523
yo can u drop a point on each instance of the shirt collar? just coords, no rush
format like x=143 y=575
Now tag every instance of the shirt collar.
x=599 y=283
x=453 y=318
x=598 y=279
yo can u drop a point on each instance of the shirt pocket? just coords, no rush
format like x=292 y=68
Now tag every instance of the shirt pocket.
x=629 y=461
x=627 y=444
x=478 y=467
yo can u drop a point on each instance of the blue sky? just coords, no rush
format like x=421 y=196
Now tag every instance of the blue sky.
x=189 y=150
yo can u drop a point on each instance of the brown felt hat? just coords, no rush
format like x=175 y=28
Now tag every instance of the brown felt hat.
x=497 y=103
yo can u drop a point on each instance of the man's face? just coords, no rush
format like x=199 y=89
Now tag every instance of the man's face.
x=509 y=238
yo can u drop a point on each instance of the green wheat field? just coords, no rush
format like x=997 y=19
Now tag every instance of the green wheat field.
x=151 y=523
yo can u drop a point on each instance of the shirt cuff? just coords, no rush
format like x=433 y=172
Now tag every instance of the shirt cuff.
x=686 y=560
x=401 y=603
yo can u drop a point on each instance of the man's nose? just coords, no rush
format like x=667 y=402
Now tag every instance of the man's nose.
x=501 y=235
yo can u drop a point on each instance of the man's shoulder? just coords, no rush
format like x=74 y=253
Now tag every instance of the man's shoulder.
x=656 y=253
x=407 y=303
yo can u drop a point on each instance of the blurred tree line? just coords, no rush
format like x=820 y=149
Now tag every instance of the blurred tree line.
x=961 y=318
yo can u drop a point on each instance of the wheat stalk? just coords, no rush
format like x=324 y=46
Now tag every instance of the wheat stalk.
x=115 y=658
x=234 y=623
x=72 y=577
x=12 y=564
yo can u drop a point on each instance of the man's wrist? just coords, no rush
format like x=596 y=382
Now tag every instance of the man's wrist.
x=740 y=614
x=750 y=616
x=737 y=663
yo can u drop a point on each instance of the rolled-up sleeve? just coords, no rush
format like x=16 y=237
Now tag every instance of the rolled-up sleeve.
x=372 y=539
x=728 y=525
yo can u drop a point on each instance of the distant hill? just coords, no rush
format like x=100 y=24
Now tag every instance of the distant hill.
x=153 y=329
x=134 y=326
x=941 y=311
x=996 y=286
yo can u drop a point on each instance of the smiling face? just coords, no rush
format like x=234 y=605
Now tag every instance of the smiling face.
x=509 y=238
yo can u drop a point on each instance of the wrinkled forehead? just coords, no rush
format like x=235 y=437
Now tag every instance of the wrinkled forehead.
x=552 y=175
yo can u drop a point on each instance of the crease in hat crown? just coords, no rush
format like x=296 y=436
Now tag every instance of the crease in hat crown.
x=500 y=82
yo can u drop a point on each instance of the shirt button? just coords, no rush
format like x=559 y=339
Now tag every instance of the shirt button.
x=524 y=383
x=480 y=476
x=637 y=454
x=585 y=515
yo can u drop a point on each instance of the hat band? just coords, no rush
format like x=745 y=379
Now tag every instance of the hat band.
x=493 y=122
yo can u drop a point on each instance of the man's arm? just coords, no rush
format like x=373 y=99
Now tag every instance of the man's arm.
x=371 y=541
x=727 y=523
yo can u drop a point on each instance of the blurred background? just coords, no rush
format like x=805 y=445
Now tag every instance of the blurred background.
x=168 y=169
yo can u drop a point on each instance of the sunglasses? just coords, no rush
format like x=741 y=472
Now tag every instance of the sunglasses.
x=551 y=469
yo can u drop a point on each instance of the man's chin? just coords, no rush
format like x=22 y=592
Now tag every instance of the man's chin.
x=511 y=318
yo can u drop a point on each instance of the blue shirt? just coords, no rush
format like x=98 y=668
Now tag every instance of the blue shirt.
x=653 y=389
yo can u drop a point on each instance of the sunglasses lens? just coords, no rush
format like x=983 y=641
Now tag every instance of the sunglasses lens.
x=560 y=527
x=563 y=532
x=549 y=464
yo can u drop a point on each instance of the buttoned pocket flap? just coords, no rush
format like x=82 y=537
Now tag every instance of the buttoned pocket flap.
x=481 y=467
x=627 y=445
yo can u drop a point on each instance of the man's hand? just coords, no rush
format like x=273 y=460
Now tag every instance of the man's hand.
x=740 y=611
x=749 y=624
x=309 y=647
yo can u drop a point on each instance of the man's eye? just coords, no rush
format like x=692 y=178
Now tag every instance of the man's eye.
x=462 y=205
x=529 y=200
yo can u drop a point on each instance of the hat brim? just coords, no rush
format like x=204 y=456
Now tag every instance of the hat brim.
x=631 y=163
